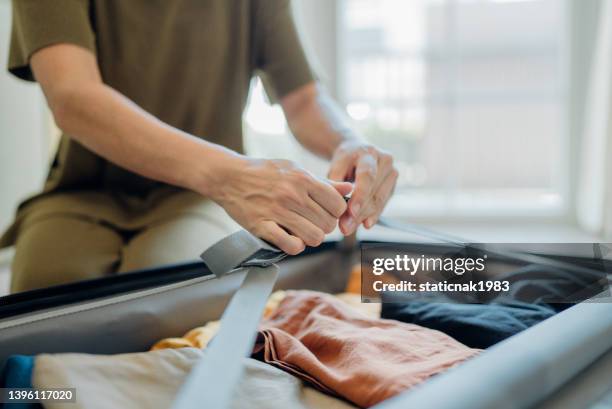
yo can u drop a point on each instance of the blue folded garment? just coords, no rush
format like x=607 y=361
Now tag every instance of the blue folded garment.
x=474 y=325
x=17 y=373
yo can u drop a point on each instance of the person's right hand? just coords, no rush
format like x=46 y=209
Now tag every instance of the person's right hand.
x=281 y=203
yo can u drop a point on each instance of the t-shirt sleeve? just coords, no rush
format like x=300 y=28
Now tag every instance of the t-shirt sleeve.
x=40 y=23
x=280 y=55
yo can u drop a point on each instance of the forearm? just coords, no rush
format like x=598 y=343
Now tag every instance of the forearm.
x=316 y=121
x=111 y=125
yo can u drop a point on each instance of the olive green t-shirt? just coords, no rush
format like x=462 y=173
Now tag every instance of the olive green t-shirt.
x=187 y=62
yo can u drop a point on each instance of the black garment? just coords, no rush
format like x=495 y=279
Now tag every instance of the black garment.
x=481 y=320
x=475 y=325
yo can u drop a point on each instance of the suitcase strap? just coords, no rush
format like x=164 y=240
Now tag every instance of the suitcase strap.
x=212 y=381
x=240 y=249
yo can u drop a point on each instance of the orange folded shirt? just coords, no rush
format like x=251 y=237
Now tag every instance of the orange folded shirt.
x=322 y=340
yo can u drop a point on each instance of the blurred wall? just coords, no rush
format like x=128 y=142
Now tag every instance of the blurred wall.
x=24 y=127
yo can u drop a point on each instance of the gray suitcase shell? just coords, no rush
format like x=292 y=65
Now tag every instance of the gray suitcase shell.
x=564 y=362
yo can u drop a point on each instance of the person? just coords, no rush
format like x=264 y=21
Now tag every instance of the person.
x=150 y=169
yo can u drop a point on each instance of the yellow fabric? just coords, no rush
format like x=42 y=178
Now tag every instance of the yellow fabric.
x=353 y=285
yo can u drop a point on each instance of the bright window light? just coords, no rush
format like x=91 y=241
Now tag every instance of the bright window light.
x=261 y=116
x=471 y=106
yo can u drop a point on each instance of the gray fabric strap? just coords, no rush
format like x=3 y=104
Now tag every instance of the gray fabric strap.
x=213 y=380
x=240 y=249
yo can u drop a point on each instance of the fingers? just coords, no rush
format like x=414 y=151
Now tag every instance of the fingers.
x=316 y=215
x=347 y=224
x=301 y=227
x=365 y=178
x=273 y=233
x=372 y=191
x=380 y=199
x=329 y=197
x=344 y=188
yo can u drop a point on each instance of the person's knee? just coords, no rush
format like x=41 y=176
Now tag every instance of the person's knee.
x=175 y=241
x=29 y=272
x=61 y=250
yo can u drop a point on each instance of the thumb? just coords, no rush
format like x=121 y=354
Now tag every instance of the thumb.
x=344 y=188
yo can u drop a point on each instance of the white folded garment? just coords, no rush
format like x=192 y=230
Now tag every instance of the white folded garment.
x=152 y=379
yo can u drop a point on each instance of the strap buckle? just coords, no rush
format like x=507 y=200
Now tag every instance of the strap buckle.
x=240 y=249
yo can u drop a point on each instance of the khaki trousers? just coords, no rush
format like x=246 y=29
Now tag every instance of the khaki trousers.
x=55 y=247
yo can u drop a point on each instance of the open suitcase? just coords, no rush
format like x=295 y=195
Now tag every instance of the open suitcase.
x=565 y=361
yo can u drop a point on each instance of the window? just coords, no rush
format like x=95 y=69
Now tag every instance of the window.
x=468 y=95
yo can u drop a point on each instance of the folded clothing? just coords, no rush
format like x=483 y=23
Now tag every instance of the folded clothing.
x=475 y=325
x=536 y=293
x=152 y=380
x=340 y=351
x=17 y=373
x=200 y=337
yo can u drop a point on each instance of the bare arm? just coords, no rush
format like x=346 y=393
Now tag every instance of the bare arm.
x=320 y=126
x=316 y=121
x=275 y=200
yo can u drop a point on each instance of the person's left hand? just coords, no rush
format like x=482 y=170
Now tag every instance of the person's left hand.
x=374 y=178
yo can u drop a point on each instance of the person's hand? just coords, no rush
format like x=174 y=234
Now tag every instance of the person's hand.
x=281 y=203
x=374 y=176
